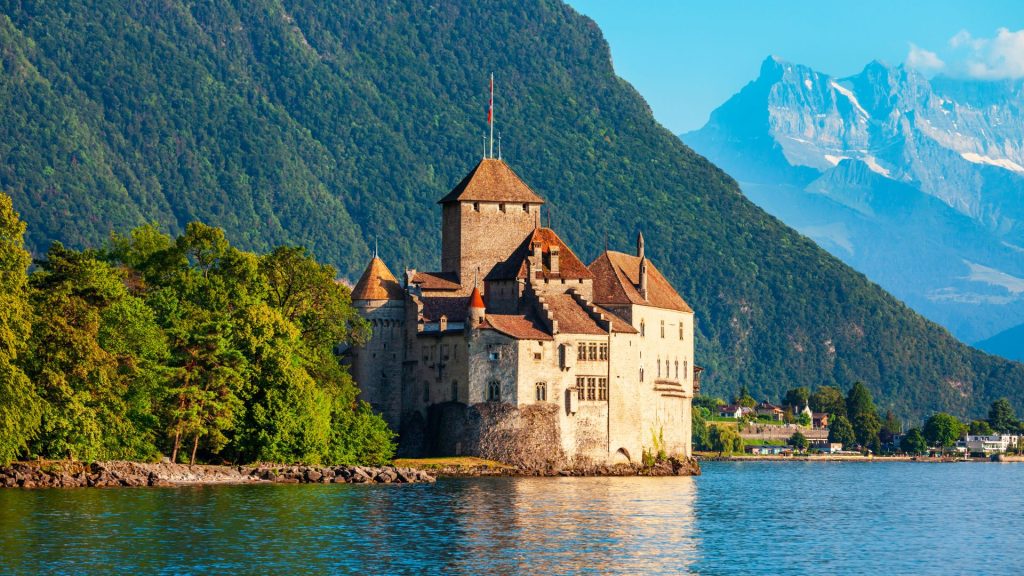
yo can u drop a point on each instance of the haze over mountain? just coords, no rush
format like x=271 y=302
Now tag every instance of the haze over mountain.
x=917 y=183
x=290 y=121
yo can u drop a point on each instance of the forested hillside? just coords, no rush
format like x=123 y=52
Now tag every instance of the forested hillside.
x=326 y=125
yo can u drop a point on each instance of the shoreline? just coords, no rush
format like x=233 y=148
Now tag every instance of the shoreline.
x=116 y=474
x=710 y=457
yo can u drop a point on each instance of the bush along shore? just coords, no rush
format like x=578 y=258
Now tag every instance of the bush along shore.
x=470 y=467
x=66 y=474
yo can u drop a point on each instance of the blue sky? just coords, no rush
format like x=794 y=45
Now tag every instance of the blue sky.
x=686 y=57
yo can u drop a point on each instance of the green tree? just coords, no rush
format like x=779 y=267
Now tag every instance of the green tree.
x=943 y=430
x=701 y=439
x=19 y=404
x=980 y=428
x=860 y=409
x=913 y=442
x=841 y=431
x=798 y=397
x=891 y=426
x=799 y=441
x=829 y=400
x=1002 y=417
x=744 y=398
x=725 y=440
x=710 y=403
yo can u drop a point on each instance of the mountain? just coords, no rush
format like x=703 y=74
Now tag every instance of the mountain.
x=917 y=183
x=297 y=121
x=1008 y=344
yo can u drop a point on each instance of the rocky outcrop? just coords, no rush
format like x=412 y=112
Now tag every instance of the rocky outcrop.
x=669 y=467
x=62 y=474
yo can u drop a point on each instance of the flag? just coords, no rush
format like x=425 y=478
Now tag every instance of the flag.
x=490 y=107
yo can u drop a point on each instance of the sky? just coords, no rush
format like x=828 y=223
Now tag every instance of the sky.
x=687 y=58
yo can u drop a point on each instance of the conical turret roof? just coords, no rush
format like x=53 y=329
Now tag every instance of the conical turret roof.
x=475 y=300
x=377 y=283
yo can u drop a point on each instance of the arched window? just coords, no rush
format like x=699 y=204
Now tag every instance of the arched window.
x=494 y=391
x=542 y=391
x=682 y=330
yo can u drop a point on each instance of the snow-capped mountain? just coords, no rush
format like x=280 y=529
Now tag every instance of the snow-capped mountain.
x=917 y=182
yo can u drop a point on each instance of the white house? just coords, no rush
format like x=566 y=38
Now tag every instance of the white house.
x=996 y=444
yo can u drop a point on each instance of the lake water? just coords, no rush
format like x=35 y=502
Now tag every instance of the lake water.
x=739 y=518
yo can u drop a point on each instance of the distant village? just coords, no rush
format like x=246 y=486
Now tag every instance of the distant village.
x=829 y=423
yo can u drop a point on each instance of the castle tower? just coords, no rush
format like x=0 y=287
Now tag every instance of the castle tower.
x=377 y=366
x=477 y=310
x=484 y=218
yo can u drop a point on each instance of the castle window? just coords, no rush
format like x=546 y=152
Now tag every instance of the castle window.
x=677 y=369
x=581 y=351
x=659 y=366
x=662 y=328
x=591 y=388
x=682 y=333
x=643 y=328
x=641 y=374
x=602 y=388
x=686 y=368
x=455 y=390
x=537 y=356
x=444 y=351
x=492 y=356
x=501 y=207
x=580 y=388
x=476 y=206
x=526 y=207
x=592 y=351
x=542 y=391
x=494 y=391
x=426 y=392
x=603 y=351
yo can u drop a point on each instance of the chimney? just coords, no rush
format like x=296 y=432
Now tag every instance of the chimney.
x=643 y=273
x=554 y=260
x=536 y=252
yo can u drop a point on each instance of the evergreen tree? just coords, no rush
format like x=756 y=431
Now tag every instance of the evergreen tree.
x=913 y=442
x=841 y=431
x=1002 y=417
x=862 y=413
x=19 y=403
x=891 y=426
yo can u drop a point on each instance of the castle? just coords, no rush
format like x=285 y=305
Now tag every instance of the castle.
x=515 y=350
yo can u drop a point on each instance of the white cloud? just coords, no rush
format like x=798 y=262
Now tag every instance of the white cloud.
x=924 y=60
x=999 y=57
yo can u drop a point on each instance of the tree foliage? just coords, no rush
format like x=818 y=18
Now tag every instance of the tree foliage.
x=943 y=430
x=798 y=397
x=1002 y=417
x=19 y=402
x=725 y=440
x=860 y=408
x=799 y=441
x=829 y=400
x=913 y=442
x=305 y=124
x=841 y=431
x=185 y=346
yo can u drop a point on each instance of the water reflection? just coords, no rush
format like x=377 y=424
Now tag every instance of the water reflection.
x=611 y=525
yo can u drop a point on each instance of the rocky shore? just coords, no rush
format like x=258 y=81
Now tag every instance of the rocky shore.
x=669 y=467
x=64 y=474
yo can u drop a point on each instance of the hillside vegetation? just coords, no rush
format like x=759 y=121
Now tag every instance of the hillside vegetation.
x=327 y=125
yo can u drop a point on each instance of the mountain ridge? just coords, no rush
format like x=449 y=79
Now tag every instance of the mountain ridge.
x=829 y=155
x=294 y=122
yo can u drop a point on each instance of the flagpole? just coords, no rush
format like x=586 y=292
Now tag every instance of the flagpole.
x=490 y=116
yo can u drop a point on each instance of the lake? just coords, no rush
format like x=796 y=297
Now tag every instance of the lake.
x=739 y=518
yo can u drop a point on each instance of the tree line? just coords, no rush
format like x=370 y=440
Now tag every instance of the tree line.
x=854 y=422
x=184 y=347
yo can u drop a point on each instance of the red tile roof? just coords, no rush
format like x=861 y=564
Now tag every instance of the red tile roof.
x=569 y=265
x=616 y=281
x=436 y=280
x=492 y=181
x=475 y=300
x=377 y=283
x=516 y=326
x=571 y=318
